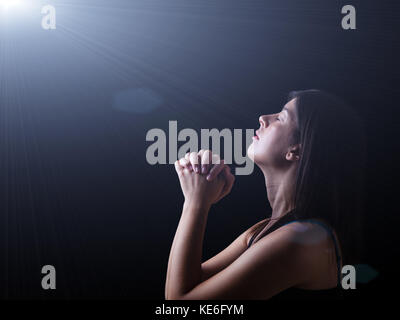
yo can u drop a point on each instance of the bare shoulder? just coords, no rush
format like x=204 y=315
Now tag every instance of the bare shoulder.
x=313 y=249
x=307 y=243
x=302 y=240
x=299 y=235
x=304 y=232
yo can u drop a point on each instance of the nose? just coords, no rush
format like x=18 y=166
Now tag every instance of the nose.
x=263 y=121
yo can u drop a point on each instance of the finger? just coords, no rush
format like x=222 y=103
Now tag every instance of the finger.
x=201 y=152
x=206 y=162
x=178 y=167
x=183 y=162
x=195 y=161
x=215 y=170
x=186 y=162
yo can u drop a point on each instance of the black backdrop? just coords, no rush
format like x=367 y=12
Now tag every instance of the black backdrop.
x=76 y=190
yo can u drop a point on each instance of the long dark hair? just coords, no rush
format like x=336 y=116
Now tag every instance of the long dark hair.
x=330 y=178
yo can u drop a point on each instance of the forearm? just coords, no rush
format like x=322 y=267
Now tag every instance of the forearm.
x=184 y=265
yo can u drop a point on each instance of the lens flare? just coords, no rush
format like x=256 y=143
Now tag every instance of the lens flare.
x=9 y=3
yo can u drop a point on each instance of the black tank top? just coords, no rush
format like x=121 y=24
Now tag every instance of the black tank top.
x=301 y=294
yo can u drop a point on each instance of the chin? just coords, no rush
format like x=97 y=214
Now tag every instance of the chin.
x=250 y=152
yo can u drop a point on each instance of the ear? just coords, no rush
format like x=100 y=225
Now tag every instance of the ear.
x=293 y=153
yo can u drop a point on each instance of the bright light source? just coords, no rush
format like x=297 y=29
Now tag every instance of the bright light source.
x=9 y=3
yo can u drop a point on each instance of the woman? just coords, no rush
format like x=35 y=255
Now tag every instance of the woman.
x=312 y=156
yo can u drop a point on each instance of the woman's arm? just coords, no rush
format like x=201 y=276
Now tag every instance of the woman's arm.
x=283 y=259
x=184 y=265
x=224 y=258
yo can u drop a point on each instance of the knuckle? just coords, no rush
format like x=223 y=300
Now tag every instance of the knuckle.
x=194 y=158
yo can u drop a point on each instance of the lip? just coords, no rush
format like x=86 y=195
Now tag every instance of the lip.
x=256 y=137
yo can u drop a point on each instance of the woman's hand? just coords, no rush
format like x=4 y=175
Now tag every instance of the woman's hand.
x=204 y=177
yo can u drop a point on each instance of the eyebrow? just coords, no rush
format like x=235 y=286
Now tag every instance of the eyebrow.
x=287 y=110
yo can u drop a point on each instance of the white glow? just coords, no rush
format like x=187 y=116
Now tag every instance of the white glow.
x=10 y=3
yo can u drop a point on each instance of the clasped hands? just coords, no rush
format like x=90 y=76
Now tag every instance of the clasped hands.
x=204 y=177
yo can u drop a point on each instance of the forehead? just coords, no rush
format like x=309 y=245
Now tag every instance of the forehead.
x=290 y=107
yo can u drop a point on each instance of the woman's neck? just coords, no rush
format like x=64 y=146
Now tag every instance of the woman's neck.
x=280 y=191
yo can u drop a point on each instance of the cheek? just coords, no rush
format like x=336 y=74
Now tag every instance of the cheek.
x=270 y=149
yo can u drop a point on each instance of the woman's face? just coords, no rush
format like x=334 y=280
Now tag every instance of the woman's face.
x=273 y=141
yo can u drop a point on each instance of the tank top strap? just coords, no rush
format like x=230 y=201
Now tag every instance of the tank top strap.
x=287 y=218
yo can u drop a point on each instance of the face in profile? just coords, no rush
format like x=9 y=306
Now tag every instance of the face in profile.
x=273 y=145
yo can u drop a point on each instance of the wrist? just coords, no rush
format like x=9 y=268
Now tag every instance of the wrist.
x=197 y=204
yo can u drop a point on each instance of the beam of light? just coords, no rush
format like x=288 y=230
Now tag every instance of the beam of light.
x=10 y=3
x=137 y=100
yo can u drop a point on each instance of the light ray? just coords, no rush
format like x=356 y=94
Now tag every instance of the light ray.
x=10 y=3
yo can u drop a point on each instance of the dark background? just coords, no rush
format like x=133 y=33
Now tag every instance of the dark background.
x=76 y=191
